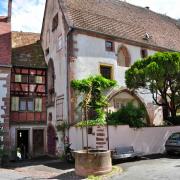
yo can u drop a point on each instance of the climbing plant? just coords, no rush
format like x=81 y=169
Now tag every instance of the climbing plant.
x=92 y=91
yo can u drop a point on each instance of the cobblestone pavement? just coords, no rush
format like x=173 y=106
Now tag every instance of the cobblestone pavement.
x=163 y=168
x=48 y=170
x=154 y=169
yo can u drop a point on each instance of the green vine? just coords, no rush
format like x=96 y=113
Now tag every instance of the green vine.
x=93 y=99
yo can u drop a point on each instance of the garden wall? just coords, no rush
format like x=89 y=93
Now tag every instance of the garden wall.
x=149 y=140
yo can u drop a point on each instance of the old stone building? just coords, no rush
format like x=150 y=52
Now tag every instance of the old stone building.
x=89 y=37
x=28 y=95
x=5 y=72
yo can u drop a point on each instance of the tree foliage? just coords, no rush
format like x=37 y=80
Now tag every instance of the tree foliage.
x=128 y=114
x=160 y=74
x=92 y=91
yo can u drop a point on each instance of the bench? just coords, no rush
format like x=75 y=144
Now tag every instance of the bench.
x=125 y=152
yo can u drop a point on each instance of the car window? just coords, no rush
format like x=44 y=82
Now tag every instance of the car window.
x=175 y=136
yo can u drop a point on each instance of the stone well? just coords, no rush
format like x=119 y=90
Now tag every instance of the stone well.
x=93 y=162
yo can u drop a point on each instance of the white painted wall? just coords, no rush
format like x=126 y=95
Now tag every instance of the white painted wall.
x=3 y=92
x=59 y=57
x=147 y=140
x=91 y=53
x=50 y=40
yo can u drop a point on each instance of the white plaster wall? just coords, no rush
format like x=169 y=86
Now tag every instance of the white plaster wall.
x=59 y=56
x=91 y=53
x=147 y=140
x=3 y=93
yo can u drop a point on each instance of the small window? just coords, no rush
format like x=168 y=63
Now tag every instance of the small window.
x=106 y=71
x=60 y=43
x=17 y=78
x=30 y=105
x=39 y=79
x=47 y=51
x=15 y=104
x=24 y=79
x=26 y=104
x=32 y=79
x=109 y=46
x=55 y=22
x=38 y=104
x=22 y=105
x=144 y=53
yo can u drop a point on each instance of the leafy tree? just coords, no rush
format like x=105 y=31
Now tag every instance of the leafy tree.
x=160 y=74
x=128 y=114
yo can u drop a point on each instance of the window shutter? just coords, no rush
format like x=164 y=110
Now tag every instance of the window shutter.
x=18 y=78
x=15 y=104
x=38 y=104
x=39 y=79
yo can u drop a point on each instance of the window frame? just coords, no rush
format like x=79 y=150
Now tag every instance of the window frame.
x=108 y=66
x=26 y=104
x=108 y=48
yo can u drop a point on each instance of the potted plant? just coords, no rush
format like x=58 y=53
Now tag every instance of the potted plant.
x=91 y=91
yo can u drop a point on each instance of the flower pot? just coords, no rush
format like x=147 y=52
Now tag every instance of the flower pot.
x=95 y=162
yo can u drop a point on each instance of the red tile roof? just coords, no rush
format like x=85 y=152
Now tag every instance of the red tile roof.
x=123 y=20
x=5 y=41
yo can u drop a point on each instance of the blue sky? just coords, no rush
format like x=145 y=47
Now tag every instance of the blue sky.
x=28 y=14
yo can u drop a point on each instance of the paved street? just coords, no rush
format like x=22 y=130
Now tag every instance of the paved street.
x=154 y=169
x=150 y=169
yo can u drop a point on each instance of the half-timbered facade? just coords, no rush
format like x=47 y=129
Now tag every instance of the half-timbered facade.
x=28 y=94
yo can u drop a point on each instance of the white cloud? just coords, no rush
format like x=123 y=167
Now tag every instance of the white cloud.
x=27 y=15
x=170 y=8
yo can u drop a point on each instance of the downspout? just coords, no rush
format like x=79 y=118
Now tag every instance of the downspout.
x=68 y=39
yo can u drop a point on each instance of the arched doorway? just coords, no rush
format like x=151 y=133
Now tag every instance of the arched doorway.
x=51 y=140
x=119 y=98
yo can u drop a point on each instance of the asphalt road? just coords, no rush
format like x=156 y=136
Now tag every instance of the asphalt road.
x=154 y=169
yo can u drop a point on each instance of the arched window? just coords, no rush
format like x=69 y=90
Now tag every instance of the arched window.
x=123 y=57
x=51 y=78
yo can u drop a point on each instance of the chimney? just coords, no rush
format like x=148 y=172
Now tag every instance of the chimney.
x=9 y=10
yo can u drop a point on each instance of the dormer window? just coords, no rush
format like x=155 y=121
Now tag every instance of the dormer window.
x=144 y=53
x=109 y=46
x=55 y=22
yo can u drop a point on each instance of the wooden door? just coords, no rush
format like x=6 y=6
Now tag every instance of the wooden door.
x=38 y=142
x=51 y=140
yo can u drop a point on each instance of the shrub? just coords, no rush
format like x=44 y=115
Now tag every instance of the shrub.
x=130 y=115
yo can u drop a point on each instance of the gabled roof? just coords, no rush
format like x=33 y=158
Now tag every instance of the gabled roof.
x=5 y=41
x=123 y=20
x=27 y=51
